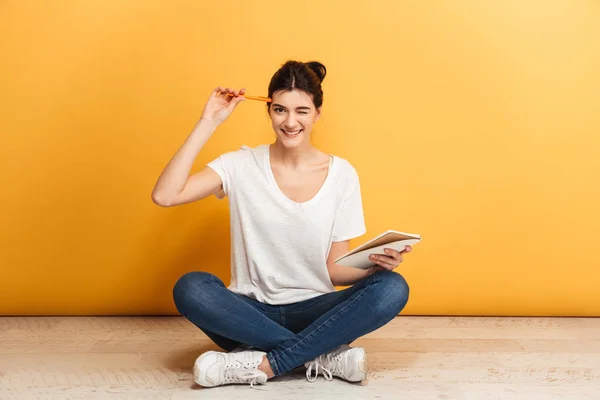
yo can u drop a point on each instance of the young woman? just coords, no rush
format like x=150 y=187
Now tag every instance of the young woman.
x=293 y=210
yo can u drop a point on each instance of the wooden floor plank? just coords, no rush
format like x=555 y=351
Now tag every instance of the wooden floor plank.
x=471 y=358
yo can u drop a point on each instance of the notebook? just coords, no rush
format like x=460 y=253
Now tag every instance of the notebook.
x=359 y=257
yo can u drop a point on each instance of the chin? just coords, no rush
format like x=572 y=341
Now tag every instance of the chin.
x=291 y=142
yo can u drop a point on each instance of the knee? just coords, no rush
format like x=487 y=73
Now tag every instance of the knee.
x=190 y=288
x=392 y=293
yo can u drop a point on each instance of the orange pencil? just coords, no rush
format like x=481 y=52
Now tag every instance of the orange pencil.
x=259 y=98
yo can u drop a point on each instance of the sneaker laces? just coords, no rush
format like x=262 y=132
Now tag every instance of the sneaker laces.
x=328 y=364
x=318 y=367
x=241 y=374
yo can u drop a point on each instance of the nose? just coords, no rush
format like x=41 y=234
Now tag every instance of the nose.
x=290 y=121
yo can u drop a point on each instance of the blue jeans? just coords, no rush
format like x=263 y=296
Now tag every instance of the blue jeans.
x=295 y=333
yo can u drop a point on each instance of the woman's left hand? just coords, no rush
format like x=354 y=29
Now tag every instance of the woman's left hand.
x=389 y=261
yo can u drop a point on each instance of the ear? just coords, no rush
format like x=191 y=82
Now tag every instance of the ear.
x=319 y=112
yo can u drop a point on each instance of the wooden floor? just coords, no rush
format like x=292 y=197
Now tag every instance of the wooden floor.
x=411 y=358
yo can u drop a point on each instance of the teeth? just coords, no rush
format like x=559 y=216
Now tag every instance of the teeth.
x=293 y=133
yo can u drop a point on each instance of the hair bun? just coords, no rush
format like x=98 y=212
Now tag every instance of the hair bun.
x=318 y=69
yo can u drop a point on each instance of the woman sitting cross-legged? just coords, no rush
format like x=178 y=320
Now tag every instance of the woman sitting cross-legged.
x=293 y=210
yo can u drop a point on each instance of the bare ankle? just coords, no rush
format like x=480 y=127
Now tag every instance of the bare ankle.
x=265 y=367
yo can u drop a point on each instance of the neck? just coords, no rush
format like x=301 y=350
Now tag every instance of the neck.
x=292 y=158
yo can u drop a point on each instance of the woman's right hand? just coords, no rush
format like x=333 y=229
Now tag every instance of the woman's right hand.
x=221 y=103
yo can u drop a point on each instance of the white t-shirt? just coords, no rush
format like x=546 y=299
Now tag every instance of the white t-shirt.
x=279 y=247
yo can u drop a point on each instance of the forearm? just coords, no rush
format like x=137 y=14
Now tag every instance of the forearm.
x=342 y=275
x=175 y=175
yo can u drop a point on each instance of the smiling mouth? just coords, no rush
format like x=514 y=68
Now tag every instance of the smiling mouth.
x=291 y=134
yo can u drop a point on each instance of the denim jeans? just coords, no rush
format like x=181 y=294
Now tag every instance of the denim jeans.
x=295 y=333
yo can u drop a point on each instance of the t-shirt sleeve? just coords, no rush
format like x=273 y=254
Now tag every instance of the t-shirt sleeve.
x=350 y=220
x=226 y=166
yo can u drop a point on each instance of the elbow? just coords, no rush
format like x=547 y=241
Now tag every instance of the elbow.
x=161 y=200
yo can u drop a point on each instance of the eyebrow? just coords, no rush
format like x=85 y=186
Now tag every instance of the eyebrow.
x=297 y=108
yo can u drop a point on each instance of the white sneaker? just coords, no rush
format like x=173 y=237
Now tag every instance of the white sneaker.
x=344 y=362
x=215 y=368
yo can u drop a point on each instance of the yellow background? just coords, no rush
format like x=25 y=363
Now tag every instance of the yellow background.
x=473 y=123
